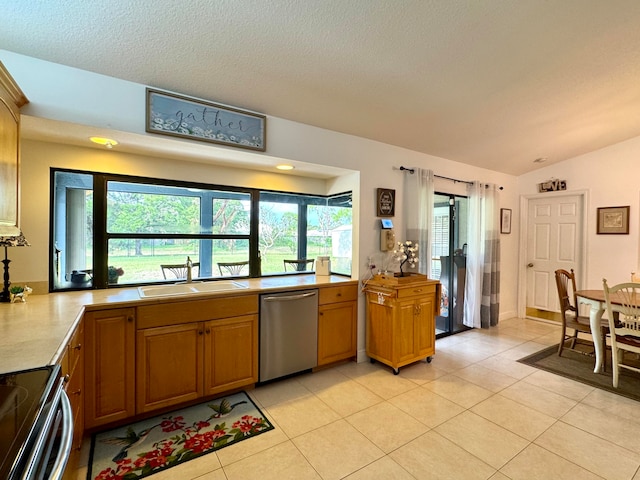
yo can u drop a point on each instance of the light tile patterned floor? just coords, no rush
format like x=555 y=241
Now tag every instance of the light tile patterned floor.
x=473 y=413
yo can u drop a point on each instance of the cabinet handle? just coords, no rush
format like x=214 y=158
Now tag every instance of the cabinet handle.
x=77 y=392
x=200 y=332
x=207 y=331
x=67 y=378
x=339 y=294
x=417 y=290
x=78 y=347
x=129 y=318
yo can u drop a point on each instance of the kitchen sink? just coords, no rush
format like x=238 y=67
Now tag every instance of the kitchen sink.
x=188 y=288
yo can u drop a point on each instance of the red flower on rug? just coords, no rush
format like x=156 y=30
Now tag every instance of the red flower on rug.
x=171 y=424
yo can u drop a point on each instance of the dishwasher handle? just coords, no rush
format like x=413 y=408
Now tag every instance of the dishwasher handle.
x=288 y=298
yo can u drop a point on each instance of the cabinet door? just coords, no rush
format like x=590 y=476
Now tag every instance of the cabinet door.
x=379 y=329
x=230 y=353
x=404 y=335
x=169 y=365
x=110 y=367
x=337 y=324
x=424 y=326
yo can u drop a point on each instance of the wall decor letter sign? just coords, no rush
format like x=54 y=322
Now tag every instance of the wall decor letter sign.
x=552 y=186
x=195 y=119
x=386 y=202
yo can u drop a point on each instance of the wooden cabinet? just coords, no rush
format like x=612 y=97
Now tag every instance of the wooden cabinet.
x=186 y=350
x=230 y=353
x=11 y=99
x=110 y=367
x=168 y=366
x=72 y=369
x=400 y=326
x=337 y=323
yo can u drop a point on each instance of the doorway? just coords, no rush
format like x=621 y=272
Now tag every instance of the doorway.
x=449 y=259
x=553 y=238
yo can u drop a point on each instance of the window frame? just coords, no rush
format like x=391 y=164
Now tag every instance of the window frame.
x=101 y=236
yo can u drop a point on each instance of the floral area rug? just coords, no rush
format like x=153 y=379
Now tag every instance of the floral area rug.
x=149 y=446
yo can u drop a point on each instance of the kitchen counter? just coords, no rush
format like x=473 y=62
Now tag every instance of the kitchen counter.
x=32 y=334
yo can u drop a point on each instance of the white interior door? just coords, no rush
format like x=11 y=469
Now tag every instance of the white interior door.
x=554 y=240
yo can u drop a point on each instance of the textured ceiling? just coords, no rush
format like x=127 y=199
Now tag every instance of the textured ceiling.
x=491 y=83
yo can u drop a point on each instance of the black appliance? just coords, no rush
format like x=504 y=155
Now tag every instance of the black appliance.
x=36 y=424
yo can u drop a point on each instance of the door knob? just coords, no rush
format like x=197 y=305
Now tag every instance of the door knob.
x=529 y=265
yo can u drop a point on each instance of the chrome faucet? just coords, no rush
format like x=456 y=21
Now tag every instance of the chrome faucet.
x=189 y=266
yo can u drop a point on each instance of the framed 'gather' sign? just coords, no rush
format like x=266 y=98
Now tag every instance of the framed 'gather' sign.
x=186 y=117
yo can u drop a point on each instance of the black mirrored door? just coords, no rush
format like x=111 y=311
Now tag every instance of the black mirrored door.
x=449 y=259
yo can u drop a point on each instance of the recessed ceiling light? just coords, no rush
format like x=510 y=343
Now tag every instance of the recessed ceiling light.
x=285 y=167
x=107 y=142
x=540 y=160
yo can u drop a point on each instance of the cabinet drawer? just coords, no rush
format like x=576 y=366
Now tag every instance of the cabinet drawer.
x=345 y=293
x=74 y=391
x=76 y=347
x=417 y=290
x=165 y=314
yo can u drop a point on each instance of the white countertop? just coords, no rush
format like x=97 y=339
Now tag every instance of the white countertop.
x=32 y=334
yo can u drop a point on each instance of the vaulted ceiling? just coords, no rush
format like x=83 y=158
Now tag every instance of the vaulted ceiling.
x=491 y=83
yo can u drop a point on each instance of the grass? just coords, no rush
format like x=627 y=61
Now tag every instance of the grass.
x=146 y=268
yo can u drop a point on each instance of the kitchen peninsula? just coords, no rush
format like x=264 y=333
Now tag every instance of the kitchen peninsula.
x=34 y=333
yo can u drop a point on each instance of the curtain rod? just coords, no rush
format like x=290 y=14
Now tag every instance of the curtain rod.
x=411 y=170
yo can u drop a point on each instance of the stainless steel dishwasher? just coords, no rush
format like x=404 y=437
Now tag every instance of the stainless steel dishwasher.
x=288 y=333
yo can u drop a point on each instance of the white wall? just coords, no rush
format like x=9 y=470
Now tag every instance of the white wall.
x=71 y=95
x=611 y=177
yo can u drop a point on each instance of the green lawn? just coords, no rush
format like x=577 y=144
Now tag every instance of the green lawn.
x=146 y=268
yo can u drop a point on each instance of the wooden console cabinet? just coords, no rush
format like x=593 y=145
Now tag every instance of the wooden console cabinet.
x=400 y=326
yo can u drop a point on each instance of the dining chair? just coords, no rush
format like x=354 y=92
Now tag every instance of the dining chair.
x=624 y=324
x=299 y=265
x=179 y=270
x=571 y=319
x=232 y=268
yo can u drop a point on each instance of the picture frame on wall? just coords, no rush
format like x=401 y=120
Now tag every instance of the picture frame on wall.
x=613 y=220
x=186 y=117
x=505 y=220
x=386 y=202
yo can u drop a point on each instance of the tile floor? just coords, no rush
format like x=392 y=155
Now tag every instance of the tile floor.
x=473 y=413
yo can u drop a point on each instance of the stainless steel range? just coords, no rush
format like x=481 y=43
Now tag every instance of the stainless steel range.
x=36 y=424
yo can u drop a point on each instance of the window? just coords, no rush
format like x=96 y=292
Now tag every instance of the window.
x=299 y=227
x=111 y=229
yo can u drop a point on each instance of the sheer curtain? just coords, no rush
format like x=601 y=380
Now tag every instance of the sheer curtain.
x=482 y=290
x=418 y=214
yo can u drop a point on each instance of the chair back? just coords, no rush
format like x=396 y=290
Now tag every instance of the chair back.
x=178 y=270
x=623 y=308
x=232 y=268
x=298 y=265
x=566 y=285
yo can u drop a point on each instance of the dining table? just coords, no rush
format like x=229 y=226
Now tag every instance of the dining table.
x=597 y=306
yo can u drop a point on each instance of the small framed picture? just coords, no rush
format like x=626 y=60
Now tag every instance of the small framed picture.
x=613 y=220
x=386 y=202
x=505 y=220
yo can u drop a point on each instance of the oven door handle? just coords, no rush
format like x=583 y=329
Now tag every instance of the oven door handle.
x=60 y=402
x=66 y=439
